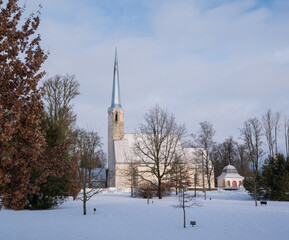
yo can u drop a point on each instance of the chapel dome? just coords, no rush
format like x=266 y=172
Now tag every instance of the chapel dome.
x=229 y=169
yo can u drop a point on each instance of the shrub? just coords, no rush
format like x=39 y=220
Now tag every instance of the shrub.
x=148 y=190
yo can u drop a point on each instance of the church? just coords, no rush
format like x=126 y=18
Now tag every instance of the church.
x=121 y=146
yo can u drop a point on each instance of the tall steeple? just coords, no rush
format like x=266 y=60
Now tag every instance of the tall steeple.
x=115 y=122
x=115 y=99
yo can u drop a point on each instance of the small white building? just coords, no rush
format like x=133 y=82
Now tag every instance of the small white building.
x=230 y=178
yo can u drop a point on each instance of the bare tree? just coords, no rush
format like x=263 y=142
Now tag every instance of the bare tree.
x=227 y=152
x=156 y=144
x=186 y=201
x=230 y=152
x=218 y=160
x=251 y=134
x=180 y=176
x=59 y=92
x=130 y=172
x=268 y=125
x=88 y=145
x=271 y=128
x=195 y=183
x=277 y=128
x=242 y=163
x=204 y=141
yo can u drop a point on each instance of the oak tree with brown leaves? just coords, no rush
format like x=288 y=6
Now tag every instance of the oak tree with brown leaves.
x=21 y=140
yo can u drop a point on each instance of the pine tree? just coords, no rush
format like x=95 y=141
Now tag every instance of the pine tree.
x=276 y=178
x=21 y=140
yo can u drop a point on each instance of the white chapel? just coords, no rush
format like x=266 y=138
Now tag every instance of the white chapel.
x=120 y=144
x=230 y=178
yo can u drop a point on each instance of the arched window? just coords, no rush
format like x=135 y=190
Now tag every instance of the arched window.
x=240 y=183
x=229 y=183
x=116 y=116
x=234 y=184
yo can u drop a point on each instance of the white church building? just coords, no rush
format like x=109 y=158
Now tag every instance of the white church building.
x=121 y=145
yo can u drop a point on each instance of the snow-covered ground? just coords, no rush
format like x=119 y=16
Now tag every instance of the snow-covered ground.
x=228 y=215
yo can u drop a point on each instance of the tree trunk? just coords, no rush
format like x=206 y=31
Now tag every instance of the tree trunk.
x=160 y=189
x=255 y=192
x=195 y=182
x=209 y=182
x=84 y=202
x=89 y=177
x=184 y=208
x=84 y=191
x=203 y=175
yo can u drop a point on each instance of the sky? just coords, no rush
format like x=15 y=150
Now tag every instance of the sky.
x=221 y=61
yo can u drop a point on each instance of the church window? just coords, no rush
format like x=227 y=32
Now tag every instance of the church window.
x=234 y=184
x=116 y=116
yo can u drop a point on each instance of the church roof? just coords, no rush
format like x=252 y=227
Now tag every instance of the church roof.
x=115 y=99
x=230 y=172
x=124 y=148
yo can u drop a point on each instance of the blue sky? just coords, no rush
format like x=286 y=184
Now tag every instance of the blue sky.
x=220 y=61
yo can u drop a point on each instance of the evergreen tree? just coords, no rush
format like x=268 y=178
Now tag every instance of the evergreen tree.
x=276 y=178
x=254 y=187
x=57 y=126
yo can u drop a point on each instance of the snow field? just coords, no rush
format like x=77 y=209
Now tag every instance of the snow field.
x=229 y=215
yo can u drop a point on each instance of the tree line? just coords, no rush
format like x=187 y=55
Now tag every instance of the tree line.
x=161 y=164
x=253 y=155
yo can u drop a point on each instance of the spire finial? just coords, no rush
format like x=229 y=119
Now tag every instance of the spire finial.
x=115 y=100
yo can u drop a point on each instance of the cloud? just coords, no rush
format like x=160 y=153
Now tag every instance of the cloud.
x=223 y=63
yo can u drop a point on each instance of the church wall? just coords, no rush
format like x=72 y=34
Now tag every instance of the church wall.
x=122 y=181
x=110 y=152
x=115 y=132
x=117 y=115
x=199 y=179
x=122 y=178
x=223 y=182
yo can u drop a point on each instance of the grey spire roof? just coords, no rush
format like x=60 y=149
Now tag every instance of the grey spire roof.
x=115 y=100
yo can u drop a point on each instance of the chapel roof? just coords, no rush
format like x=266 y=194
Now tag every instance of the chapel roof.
x=124 y=148
x=230 y=171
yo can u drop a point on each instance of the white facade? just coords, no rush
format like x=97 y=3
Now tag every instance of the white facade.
x=230 y=178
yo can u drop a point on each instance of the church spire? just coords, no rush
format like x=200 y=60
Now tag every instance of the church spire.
x=115 y=100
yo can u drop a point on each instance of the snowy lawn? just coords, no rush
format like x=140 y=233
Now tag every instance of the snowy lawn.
x=229 y=215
